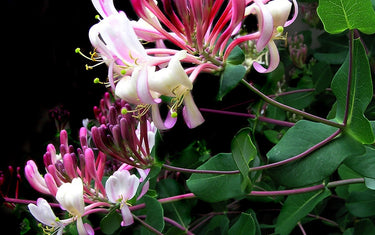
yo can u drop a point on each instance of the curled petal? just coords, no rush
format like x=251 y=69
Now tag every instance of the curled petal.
x=289 y=22
x=266 y=25
x=81 y=227
x=273 y=60
x=127 y=217
x=143 y=89
x=104 y=7
x=279 y=10
x=191 y=113
x=158 y=121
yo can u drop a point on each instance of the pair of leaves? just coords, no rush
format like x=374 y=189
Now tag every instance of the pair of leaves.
x=317 y=165
x=219 y=187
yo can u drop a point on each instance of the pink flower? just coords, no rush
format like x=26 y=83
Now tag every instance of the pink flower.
x=121 y=187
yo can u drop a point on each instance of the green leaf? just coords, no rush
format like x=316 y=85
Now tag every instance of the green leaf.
x=216 y=187
x=317 y=165
x=243 y=151
x=179 y=211
x=236 y=56
x=322 y=76
x=363 y=164
x=154 y=214
x=245 y=225
x=297 y=207
x=360 y=94
x=219 y=224
x=111 y=222
x=361 y=204
x=340 y=15
x=230 y=77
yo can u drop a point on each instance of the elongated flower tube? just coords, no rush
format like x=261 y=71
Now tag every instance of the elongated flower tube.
x=59 y=170
x=42 y=211
x=125 y=137
x=121 y=187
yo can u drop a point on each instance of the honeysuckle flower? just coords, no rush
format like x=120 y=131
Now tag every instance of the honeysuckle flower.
x=43 y=212
x=70 y=197
x=64 y=167
x=273 y=18
x=121 y=187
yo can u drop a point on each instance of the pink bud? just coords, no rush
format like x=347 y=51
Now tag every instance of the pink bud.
x=70 y=166
x=90 y=163
x=35 y=179
x=51 y=184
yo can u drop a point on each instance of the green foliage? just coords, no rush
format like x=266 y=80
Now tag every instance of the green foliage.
x=340 y=15
x=154 y=215
x=243 y=151
x=216 y=187
x=297 y=207
x=230 y=77
x=360 y=94
x=111 y=222
x=301 y=138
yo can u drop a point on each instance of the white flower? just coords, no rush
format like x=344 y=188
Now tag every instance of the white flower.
x=121 y=187
x=42 y=211
x=70 y=197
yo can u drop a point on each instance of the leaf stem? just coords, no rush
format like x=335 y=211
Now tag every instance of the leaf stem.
x=291 y=109
x=307 y=189
x=149 y=227
x=301 y=155
x=253 y=116
x=348 y=91
x=185 y=170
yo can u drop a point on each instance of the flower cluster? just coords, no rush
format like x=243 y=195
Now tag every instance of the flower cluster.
x=204 y=33
x=201 y=36
x=75 y=177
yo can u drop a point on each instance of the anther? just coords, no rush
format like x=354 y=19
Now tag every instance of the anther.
x=173 y=114
x=124 y=111
x=97 y=80
x=280 y=29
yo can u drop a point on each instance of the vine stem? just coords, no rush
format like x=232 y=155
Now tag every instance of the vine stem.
x=301 y=155
x=307 y=189
x=149 y=227
x=186 y=170
x=257 y=168
x=348 y=91
x=290 y=109
x=263 y=193
x=253 y=116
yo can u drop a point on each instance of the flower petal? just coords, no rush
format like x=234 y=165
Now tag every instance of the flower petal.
x=273 y=60
x=191 y=113
x=127 y=217
x=42 y=211
x=158 y=121
x=104 y=7
x=143 y=90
